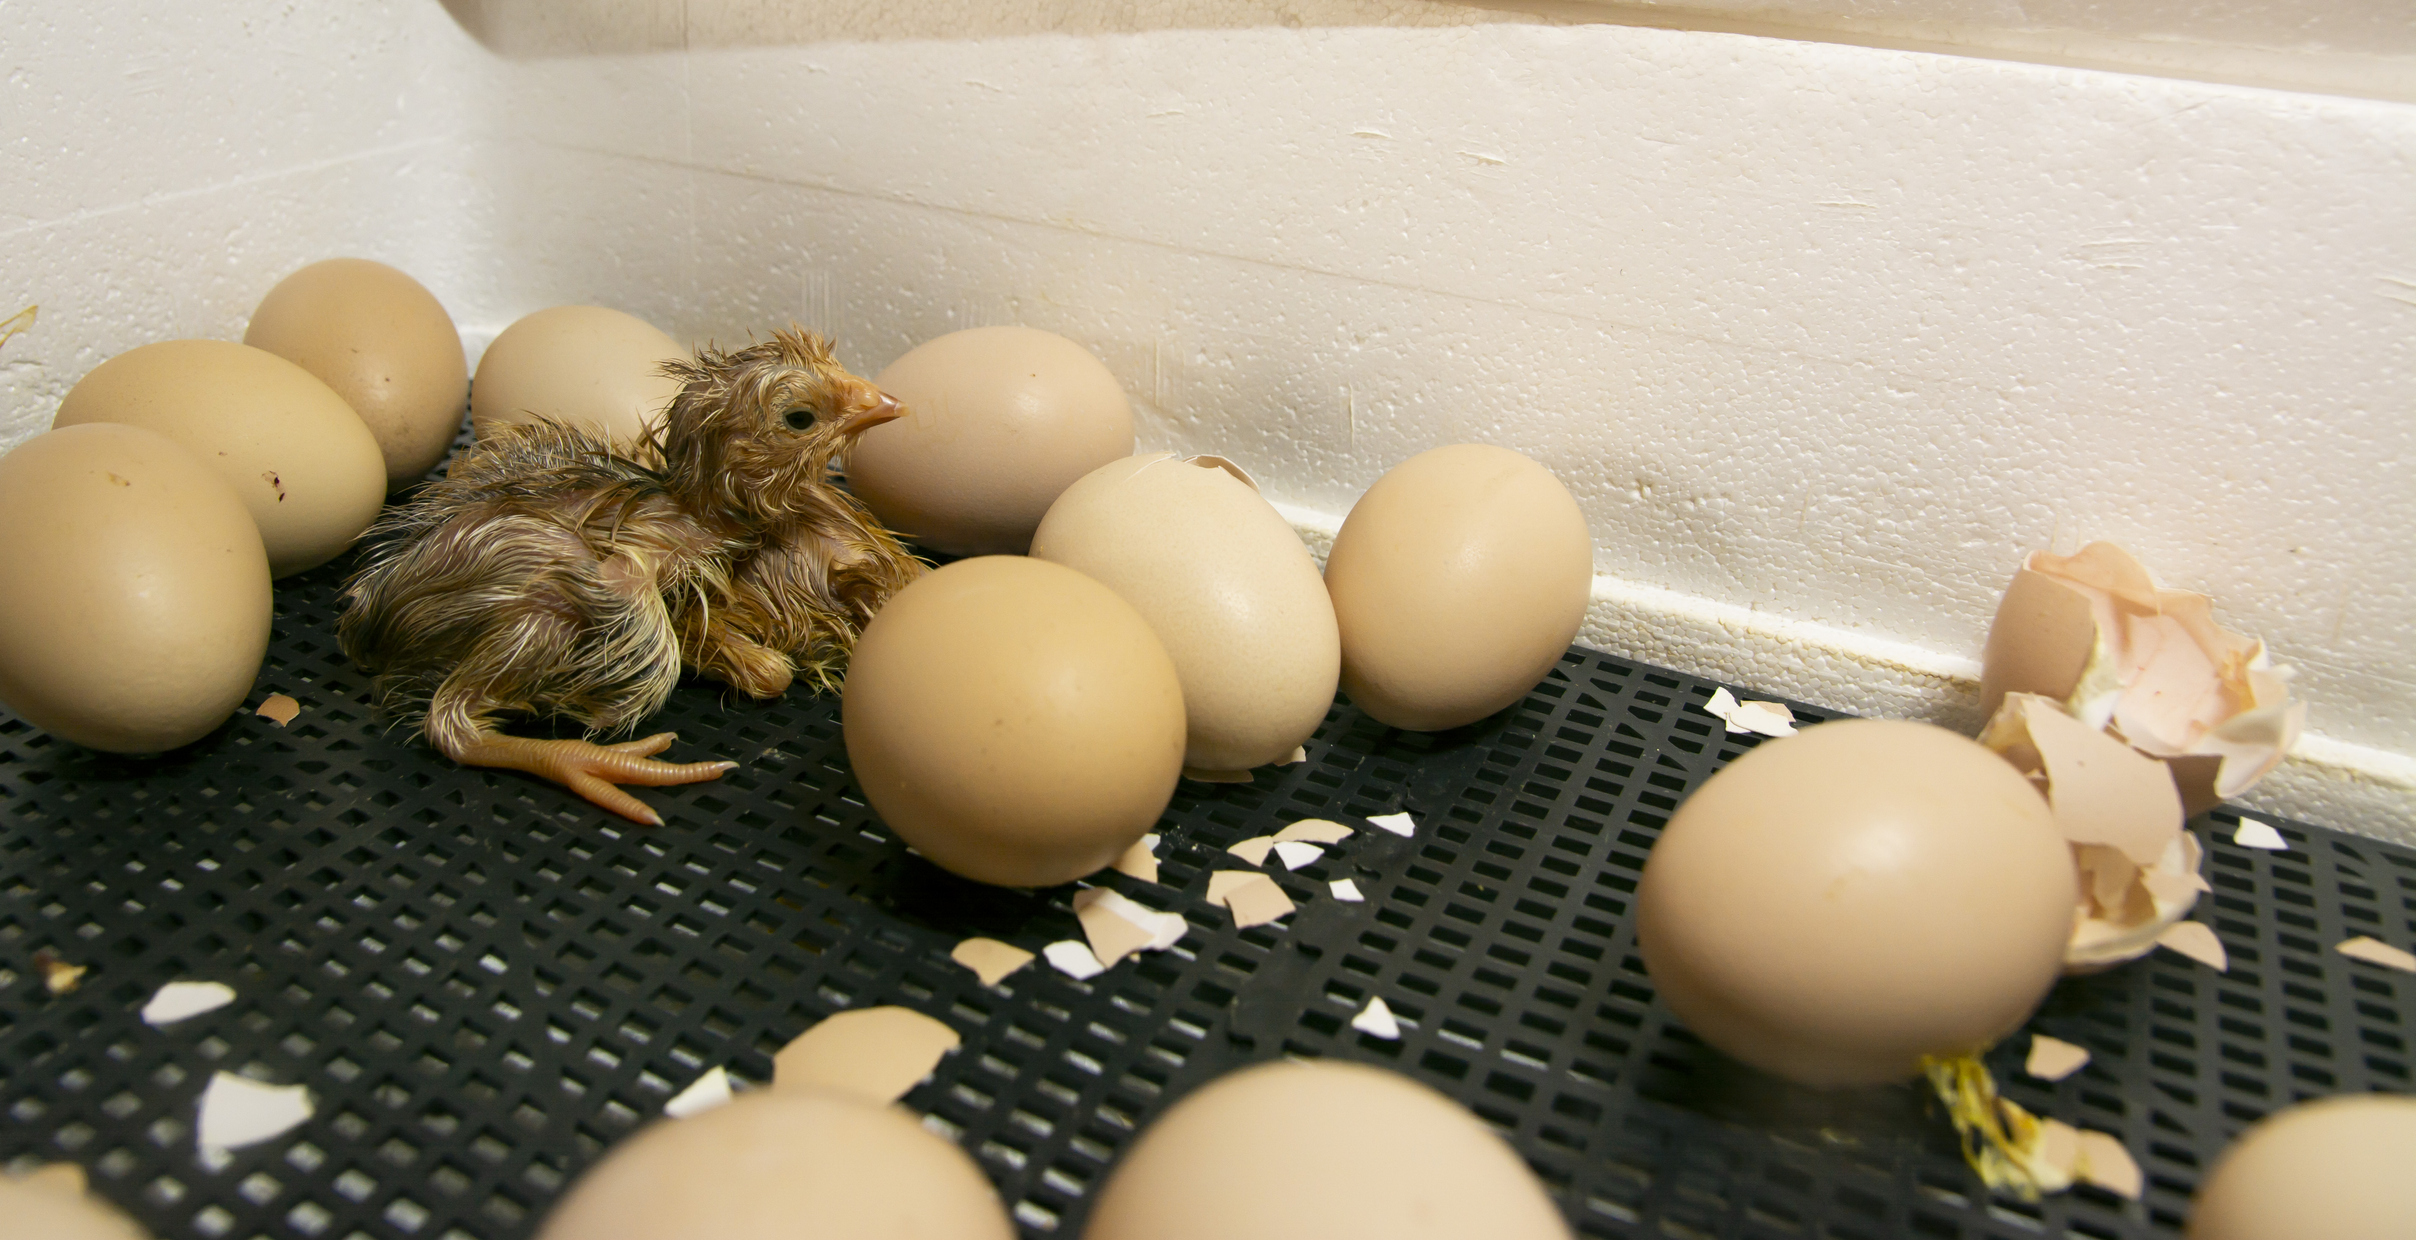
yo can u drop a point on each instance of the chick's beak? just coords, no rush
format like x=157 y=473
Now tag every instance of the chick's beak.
x=887 y=410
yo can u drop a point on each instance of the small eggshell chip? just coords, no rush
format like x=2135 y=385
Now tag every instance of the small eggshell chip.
x=134 y=591
x=1118 y=927
x=238 y=1111
x=875 y=1053
x=1014 y=721
x=2335 y=1167
x=703 y=1094
x=1253 y=898
x=1295 y=854
x=1253 y=850
x=1835 y=906
x=1377 y=1020
x=1073 y=958
x=2375 y=951
x=780 y=1164
x=1227 y=585
x=1346 y=891
x=1399 y=824
x=278 y=709
x=1002 y=420
x=1390 y=1159
x=2104 y=1162
x=384 y=343
x=2253 y=834
x=1314 y=831
x=184 y=1000
x=990 y=960
x=588 y=366
x=2052 y=1059
x=1141 y=860
x=1458 y=581
x=299 y=458
x=2196 y=940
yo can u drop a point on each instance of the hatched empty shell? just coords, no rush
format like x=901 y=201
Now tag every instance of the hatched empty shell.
x=1314 y=831
x=875 y=1053
x=2375 y=951
x=2053 y=1059
x=990 y=959
x=1253 y=850
x=278 y=709
x=237 y=1111
x=702 y=1095
x=2196 y=940
x=1377 y=1020
x=1140 y=860
x=1399 y=824
x=2253 y=834
x=182 y=1000
x=2094 y=632
x=1073 y=958
x=1295 y=854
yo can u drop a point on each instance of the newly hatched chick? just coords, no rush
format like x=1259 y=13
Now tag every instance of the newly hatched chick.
x=550 y=574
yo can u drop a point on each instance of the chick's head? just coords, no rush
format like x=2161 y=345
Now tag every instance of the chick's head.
x=754 y=433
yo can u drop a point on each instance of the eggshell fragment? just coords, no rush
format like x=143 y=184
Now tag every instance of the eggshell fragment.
x=1002 y=420
x=779 y=1164
x=703 y=1094
x=1458 y=581
x=134 y=591
x=1377 y=1020
x=295 y=453
x=1835 y=906
x=1118 y=927
x=1252 y=898
x=1074 y=959
x=238 y=1111
x=184 y=1000
x=2253 y=834
x=1253 y=850
x=2104 y=1162
x=587 y=366
x=2375 y=951
x=2335 y=1168
x=2053 y=1059
x=1141 y=860
x=875 y=1053
x=1314 y=831
x=384 y=343
x=1226 y=584
x=1295 y=854
x=1399 y=824
x=1346 y=891
x=1014 y=721
x=1764 y=718
x=990 y=960
x=2196 y=940
x=58 y=976
x=1391 y=1160
x=278 y=709
x=2094 y=632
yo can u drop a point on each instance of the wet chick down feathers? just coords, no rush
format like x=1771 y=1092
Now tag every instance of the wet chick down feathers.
x=551 y=574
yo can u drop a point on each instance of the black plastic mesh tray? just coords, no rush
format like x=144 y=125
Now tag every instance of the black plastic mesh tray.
x=485 y=982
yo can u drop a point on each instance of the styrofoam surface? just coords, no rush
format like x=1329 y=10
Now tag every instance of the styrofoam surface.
x=1826 y=333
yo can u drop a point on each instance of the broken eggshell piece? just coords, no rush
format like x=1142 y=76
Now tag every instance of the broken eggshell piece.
x=2119 y=811
x=2094 y=632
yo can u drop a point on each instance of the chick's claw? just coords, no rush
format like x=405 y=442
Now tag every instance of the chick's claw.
x=593 y=770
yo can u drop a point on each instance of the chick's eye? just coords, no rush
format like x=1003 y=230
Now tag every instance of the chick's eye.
x=799 y=418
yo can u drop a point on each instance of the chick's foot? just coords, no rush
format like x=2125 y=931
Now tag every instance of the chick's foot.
x=589 y=769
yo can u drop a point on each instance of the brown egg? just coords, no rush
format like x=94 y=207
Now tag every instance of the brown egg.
x=1227 y=586
x=1835 y=905
x=300 y=458
x=134 y=593
x=1458 y=580
x=384 y=343
x=781 y=1166
x=50 y=1203
x=1002 y=420
x=1014 y=721
x=585 y=365
x=1321 y=1151
x=2340 y=1168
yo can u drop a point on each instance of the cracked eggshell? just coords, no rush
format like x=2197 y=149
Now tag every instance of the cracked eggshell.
x=1458 y=580
x=1321 y=1150
x=773 y=1166
x=384 y=343
x=1003 y=420
x=2335 y=1167
x=1014 y=721
x=134 y=593
x=300 y=458
x=1224 y=582
x=1834 y=905
x=589 y=366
